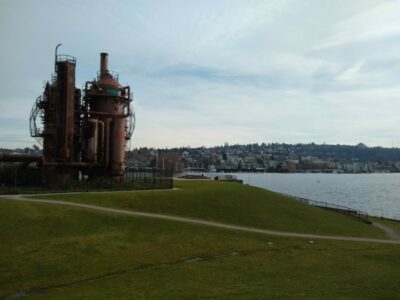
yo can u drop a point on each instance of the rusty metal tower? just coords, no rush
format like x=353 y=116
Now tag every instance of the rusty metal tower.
x=108 y=122
x=59 y=109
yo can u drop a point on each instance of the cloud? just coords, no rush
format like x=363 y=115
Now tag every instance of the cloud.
x=378 y=22
x=206 y=72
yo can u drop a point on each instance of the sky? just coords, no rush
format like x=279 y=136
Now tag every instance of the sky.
x=208 y=72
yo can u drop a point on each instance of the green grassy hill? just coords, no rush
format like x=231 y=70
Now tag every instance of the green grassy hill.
x=59 y=252
x=231 y=203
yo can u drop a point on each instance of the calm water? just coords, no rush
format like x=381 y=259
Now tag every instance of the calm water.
x=376 y=194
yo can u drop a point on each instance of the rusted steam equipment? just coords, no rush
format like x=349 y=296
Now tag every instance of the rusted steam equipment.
x=82 y=138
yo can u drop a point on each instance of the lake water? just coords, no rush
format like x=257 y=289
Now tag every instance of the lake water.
x=376 y=194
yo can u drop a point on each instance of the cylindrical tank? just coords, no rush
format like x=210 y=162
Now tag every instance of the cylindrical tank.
x=91 y=139
x=106 y=102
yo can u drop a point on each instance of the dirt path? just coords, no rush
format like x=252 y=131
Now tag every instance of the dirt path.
x=203 y=222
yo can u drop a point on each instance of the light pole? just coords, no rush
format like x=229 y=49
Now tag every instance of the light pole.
x=156 y=159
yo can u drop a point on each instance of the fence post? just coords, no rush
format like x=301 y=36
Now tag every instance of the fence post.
x=15 y=180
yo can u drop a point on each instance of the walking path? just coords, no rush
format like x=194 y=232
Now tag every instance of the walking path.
x=394 y=235
x=206 y=223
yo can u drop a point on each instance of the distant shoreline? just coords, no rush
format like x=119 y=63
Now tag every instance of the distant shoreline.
x=311 y=172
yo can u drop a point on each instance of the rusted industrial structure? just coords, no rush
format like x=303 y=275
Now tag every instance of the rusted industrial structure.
x=84 y=134
x=106 y=128
x=82 y=137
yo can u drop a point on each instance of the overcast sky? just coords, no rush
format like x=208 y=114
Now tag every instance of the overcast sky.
x=208 y=72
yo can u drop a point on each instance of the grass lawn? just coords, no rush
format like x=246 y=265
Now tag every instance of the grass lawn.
x=391 y=224
x=59 y=252
x=231 y=203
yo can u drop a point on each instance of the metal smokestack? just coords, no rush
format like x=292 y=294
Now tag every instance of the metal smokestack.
x=103 y=63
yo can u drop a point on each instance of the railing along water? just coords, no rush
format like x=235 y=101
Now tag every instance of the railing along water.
x=363 y=216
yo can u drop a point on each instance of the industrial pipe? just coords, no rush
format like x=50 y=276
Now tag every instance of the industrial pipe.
x=55 y=57
x=103 y=63
x=20 y=158
x=100 y=141
x=70 y=164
